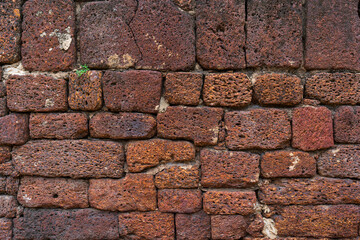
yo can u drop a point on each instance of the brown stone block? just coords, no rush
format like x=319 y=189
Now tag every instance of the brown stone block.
x=347 y=124
x=8 y=205
x=9 y=185
x=186 y=5
x=228 y=227
x=14 y=129
x=194 y=226
x=5 y=154
x=5 y=229
x=179 y=200
x=178 y=177
x=3 y=107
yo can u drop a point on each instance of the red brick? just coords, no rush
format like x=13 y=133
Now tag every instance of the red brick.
x=312 y=128
x=200 y=125
x=179 y=200
x=5 y=229
x=178 y=177
x=347 y=124
x=147 y=225
x=132 y=91
x=146 y=154
x=229 y=202
x=14 y=129
x=135 y=192
x=287 y=164
x=332 y=30
x=70 y=158
x=58 y=125
x=257 y=129
x=48 y=37
x=220 y=34
x=229 y=169
x=3 y=108
x=186 y=5
x=4 y=154
x=66 y=224
x=53 y=193
x=228 y=227
x=183 y=88
x=8 y=206
x=194 y=226
x=122 y=126
x=36 y=94
x=9 y=185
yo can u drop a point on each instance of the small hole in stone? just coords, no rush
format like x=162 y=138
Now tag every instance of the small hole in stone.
x=55 y=195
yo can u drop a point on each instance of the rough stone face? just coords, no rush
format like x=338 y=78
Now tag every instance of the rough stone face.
x=287 y=164
x=2 y=86
x=256 y=227
x=9 y=185
x=179 y=200
x=183 y=88
x=58 y=125
x=312 y=128
x=226 y=202
x=229 y=169
x=8 y=206
x=332 y=35
x=5 y=229
x=194 y=226
x=220 y=34
x=135 y=192
x=200 y=125
x=141 y=155
x=70 y=158
x=14 y=129
x=228 y=227
x=334 y=88
x=3 y=108
x=36 y=94
x=147 y=225
x=66 y=224
x=85 y=91
x=132 y=91
x=347 y=124
x=278 y=89
x=257 y=129
x=227 y=90
x=186 y=5
x=4 y=154
x=178 y=177
x=122 y=125
x=48 y=37
x=53 y=193
x=274 y=33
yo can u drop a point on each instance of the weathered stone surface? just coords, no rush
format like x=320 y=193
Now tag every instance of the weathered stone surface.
x=147 y=225
x=274 y=33
x=278 y=89
x=200 y=125
x=229 y=169
x=66 y=224
x=347 y=124
x=8 y=206
x=228 y=227
x=36 y=94
x=257 y=129
x=4 y=154
x=58 y=125
x=2 y=87
x=186 y=5
x=227 y=90
x=194 y=226
x=332 y=35
x=141 y=155
x=132 y=91
x=70 y=158
x=14 y=129
x=85 y=92
x=122 y=125
x=256 y=227
x=135 y=192
x=229 y=202
x=312 y=128
x=3 y=108
x=287 y=164
x=48 y=36
x=53 y=193
x=334 y=88
x=9 y=185
x=178 y=177
x=179 y=200
x=5 y=229
x=220 y=34
x=183 y=88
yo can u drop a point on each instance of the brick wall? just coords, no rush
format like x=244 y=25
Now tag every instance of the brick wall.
x=206 y=119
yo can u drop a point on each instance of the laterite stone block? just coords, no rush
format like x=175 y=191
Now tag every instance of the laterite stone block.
x=3 y=107
x=194 y=226
x=347 y=124
x=6 y=229
x=228 y=227
x=179 y=200
x=8 y=205
x=178 y=177
x=14 y=129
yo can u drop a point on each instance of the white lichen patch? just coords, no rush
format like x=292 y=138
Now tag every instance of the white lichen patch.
x=26 y=198
x=162 y=106
x=49 y=102
x=43 y=34
x=335 y=151
x=125 y=61
x=64 y=39
x=295 y=161
x=269 y=229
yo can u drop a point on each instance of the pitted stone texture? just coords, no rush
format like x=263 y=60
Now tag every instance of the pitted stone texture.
x=183 y=88
x=228 y=227
x=135 y=192
x=5 y=154
x=36 y=94
x=220 y=34
x=257 y=129
x=332 y=35
x=9 y=185
x=58 y=125
x=53 y=193
x=278 y=89
x=178 y=177
x=3 y=107
x=85 y=92
x=194 y=226
x=334 y=88
x=66 y=224
x=70 y=158
x=147 y=225
x=186 y=5
x=2 y=87
x=6 y=229
x=312 y=128
x=132 y=91
x=200 y=125
x=229 y=169
x=122 y=126
x=347 y=124
x=274 y=33
x=227 y=90
x=6 y=169
x=141 y=155
x=14 y=129
x=8 y=205
x=48 y=37
x=179 y=200
x=256 y=227
x=229 y=202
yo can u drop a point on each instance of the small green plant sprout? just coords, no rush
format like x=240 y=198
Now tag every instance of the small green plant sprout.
x=83 y=69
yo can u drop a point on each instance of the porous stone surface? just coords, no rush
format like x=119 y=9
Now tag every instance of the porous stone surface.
x=5 y=154
x=9 y=185
x=178 y=177
x=186 y=5
x=347 y=124
x=14 y=129
x=179 y=200
x=6 y=228
x=8 y=205
x=228 y=227
x=194 y=226
x=3 y=107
